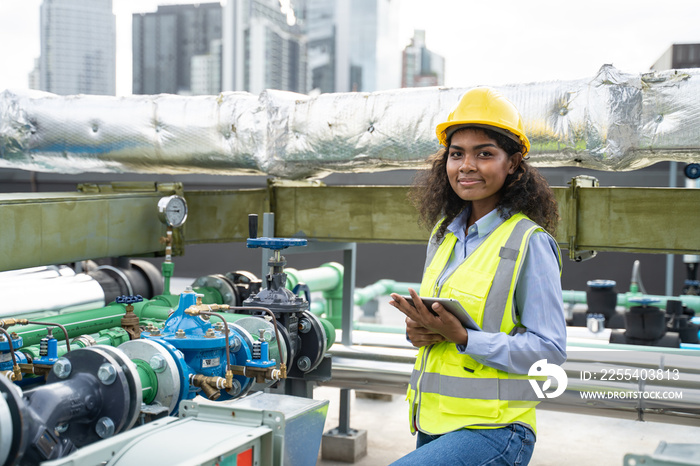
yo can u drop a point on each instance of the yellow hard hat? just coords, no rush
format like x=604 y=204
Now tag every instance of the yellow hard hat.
x=485 y=107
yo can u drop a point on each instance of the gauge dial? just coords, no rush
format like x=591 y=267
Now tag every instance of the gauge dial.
x=172 y=211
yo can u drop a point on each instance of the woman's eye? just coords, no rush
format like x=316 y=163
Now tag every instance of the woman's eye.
x=484 y=154
x=455 y=155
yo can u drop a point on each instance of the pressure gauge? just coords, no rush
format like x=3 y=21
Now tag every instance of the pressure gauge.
x=172 y=211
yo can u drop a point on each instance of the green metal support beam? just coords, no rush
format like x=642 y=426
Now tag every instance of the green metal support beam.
x=120 y=219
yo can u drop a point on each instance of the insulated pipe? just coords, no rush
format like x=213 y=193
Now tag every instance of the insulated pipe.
x=63 y=293
x=388 y=370
x=610 y=121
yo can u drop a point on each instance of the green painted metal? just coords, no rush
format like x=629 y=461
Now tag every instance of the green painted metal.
x=120 y=219
x=149 y=380
x=110 y=337
x=57 y=228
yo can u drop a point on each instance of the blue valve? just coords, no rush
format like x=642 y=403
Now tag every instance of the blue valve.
x=268 y=243
x=643 y=300
x=129 y=299
x=275 y=243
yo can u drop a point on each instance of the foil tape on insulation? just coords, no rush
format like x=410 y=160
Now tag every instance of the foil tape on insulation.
x=613 y=121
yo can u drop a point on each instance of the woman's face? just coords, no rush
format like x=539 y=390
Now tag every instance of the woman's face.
x=477 y=168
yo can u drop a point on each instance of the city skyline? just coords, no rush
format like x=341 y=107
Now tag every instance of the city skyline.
x=500 y=43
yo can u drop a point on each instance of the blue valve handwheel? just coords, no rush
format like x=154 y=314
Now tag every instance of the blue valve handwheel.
x=275 y=243
x=643 y=300
x=129 y=299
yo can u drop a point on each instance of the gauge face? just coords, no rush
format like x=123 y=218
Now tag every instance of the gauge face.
x=172 y=211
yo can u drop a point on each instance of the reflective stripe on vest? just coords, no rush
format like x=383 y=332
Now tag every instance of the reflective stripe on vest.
x=469 y=388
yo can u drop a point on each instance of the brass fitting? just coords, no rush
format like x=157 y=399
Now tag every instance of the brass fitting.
x=197 y=309
x=211 y=385
x=16 y=373
x=6 y=323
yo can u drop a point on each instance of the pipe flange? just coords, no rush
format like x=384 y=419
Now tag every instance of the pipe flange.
x=313 y=345
x=169 y=382
x=13 y=432
x=119 y=273
x=121 y=399
x=133 y=379
x=152 y=273
x=228 y=291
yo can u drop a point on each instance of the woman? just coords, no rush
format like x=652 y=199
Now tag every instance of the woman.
x=470 y=400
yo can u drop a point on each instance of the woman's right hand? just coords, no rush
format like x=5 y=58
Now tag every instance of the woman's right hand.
x=421 y=336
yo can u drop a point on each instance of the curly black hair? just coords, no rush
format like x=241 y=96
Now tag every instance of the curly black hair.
x=526 y=191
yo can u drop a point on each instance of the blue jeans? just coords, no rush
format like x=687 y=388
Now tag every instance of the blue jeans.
x=510 y=445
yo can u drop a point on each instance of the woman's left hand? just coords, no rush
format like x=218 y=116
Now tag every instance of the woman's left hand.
x=439 y=320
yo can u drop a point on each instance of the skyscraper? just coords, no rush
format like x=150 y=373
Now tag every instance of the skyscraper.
x=421 y=67
x=353 y=45
x=164 y=43
x=263 y=47
x=78 y=47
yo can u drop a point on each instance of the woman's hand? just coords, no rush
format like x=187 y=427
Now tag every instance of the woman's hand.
x=424 y=327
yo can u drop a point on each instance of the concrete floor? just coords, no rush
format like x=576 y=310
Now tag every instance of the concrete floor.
x=563 y=438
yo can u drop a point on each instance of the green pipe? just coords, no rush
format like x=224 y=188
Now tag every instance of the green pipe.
x=94 y=320
x=327 y=277
x=110 y=337
x=149 y=380
x=623 y=299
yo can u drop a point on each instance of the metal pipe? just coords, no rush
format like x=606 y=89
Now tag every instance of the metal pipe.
x=630 y=121
x=388 y=370
x=62 y=293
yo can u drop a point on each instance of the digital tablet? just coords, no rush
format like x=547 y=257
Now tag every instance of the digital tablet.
x=452 y=306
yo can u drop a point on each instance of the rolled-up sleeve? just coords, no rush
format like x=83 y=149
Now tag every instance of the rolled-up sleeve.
x=540 y=305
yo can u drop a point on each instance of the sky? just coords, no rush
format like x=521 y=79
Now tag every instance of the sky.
x=484 y=42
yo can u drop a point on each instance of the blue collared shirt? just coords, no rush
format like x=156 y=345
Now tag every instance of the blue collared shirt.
x=538 y=301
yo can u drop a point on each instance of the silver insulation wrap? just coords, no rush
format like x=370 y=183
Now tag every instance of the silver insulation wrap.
x=613 y=121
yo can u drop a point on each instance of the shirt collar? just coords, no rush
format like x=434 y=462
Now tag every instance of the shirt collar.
x=483 y=226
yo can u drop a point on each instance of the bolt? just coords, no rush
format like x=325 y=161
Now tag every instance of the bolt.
x=180 y=334
x=235 y=388
x=210 y=333
x=219 y=326
x=236 y=345
x=107 y=373
x=104 y=427
x=62 y=368
x=157 y=363
x=61 y=428
x=304 y=326
x=304 y=363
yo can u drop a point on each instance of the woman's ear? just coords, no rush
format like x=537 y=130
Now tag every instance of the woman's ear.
x=515 y=160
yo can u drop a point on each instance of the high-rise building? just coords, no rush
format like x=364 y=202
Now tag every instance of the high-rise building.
x=421 y=67
x=346 y=45
x=679 y=56
x=34 y=76
x=263 y=47
x=353 y=44
x=206 y=71
x=164 y=43
x=78 y=47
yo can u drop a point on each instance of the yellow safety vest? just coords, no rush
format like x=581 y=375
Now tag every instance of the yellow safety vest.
x=449 y=390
